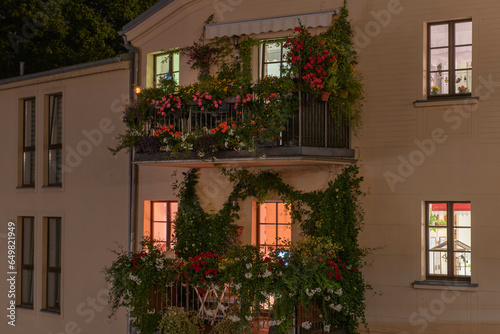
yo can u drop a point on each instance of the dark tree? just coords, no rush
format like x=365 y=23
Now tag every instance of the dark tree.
x=48 y=34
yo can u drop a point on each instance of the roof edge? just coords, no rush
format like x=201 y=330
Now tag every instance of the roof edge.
x=116 y=59
x=144 y=16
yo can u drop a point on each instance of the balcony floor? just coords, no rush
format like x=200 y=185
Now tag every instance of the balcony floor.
x=263 y=157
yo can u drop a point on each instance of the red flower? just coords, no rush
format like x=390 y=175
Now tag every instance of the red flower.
x=267 y=259
x=354 y=269
x=330 y=274
x=338 y=276
x=343 y=266
x=280 y=261
x=202 y=291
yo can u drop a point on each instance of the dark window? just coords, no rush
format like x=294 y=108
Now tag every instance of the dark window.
x=448 y=240
x=29 y=139
x=273 y=226
x=53 y=269
x=271 y=53
x=166 y=66
x=55 y=141
x=27 y=261
x=161 y=227
x=450 y=59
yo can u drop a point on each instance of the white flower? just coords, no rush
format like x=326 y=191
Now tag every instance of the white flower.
x=339 y=292
x=306 y=324
x=248 y=317
x=248 y=275
x=159 y=264
x=327 y=328
x=272 y=323
x=337 y=307
x=238 y=286
x=329 y=290
x=249 y=265
x=234 y=318
x=136 y=279
x=327 y=298
x=263 y=323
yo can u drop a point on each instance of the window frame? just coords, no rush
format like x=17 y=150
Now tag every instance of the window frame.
x=449 y=247
x=171 y=71
x=451 y=60
x=259 y=223
x=53 y=269
x=54 y=102
x=26 y=148
x=169 y=221
x=261 y=53
x=27 y=267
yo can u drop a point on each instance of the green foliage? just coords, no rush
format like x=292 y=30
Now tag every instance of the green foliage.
x=197 y=231
x=176 y=320
x=55 y=33
x=228 y=326
x=135 y=278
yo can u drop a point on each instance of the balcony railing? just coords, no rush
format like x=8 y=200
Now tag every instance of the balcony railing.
x=312 y=125
x=216 y=305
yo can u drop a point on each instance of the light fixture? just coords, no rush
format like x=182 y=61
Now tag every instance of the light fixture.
x=137 y=90
x=236 y=41
x=234 y=203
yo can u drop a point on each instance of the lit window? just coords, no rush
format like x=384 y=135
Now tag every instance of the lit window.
x=52 y=300
x=449 y=240
x=29 y=139
x=273 y=226
x=27 y=261
x=161 y=226
x=272 y=63
x=450 y=59
x=54 y=167
x=166 y=66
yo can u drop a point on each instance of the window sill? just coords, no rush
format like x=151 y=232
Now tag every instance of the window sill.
x=50 y=312
x=21 y=307
x=446 y=102
x=26 y=187
x=442 y=284
x=52 y=187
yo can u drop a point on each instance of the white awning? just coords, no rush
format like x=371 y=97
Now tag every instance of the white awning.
x=270 y=24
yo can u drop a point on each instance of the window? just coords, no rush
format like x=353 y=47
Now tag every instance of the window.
x=54 y=167
x=27 y=261
x=53 y=265
x=166 y=66
x=161 y=225
x=450 y=59
x=271 y=53
x=28 y=153
x=448 y=240
x=273 y=225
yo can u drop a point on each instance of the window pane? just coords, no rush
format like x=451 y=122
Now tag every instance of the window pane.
x=54 y=243
x=439 y=59
x=272 y=52
x=462 y=263
x=462 y=239
x=462 y=214
x=439 y=35
x=28 y=242
x=175 y=57
x=160 y=231
x=172 y=234
x=273 y=69
x=29 y=123
x=162 y=64
x=27 y=287
x=463 y=33
x=437 y=214
x=283 y=214
x=438 y=235
x=55 y=126
x=174 y=206
x=55 y=166
x=438 y=264
x=284 y=234
x=463 y=57
x=267 y=234
x=267 y=213
x=160 y=211
x=439 y=83
x=463 y=82
x=53 y=291
x=29 y=168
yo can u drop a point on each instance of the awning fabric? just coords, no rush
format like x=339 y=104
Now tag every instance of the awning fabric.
x=271 y=24
x=457 y=206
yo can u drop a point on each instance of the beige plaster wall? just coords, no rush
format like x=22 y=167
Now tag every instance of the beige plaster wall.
x=92 y=201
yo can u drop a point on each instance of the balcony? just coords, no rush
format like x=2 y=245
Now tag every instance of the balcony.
x=310 y=136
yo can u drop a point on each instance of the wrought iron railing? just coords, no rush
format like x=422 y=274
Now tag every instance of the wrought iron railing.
x=312 y=125
x=214 y=305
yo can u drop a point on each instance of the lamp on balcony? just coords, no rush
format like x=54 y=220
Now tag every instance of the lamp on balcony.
x=137 y=90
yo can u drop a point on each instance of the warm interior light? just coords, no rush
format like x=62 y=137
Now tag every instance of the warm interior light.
x=137 y=90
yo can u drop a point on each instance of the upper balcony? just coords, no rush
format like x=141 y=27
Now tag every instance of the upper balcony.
x=310 y=135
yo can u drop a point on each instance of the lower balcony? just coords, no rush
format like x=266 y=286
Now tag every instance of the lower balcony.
x=311 y=135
